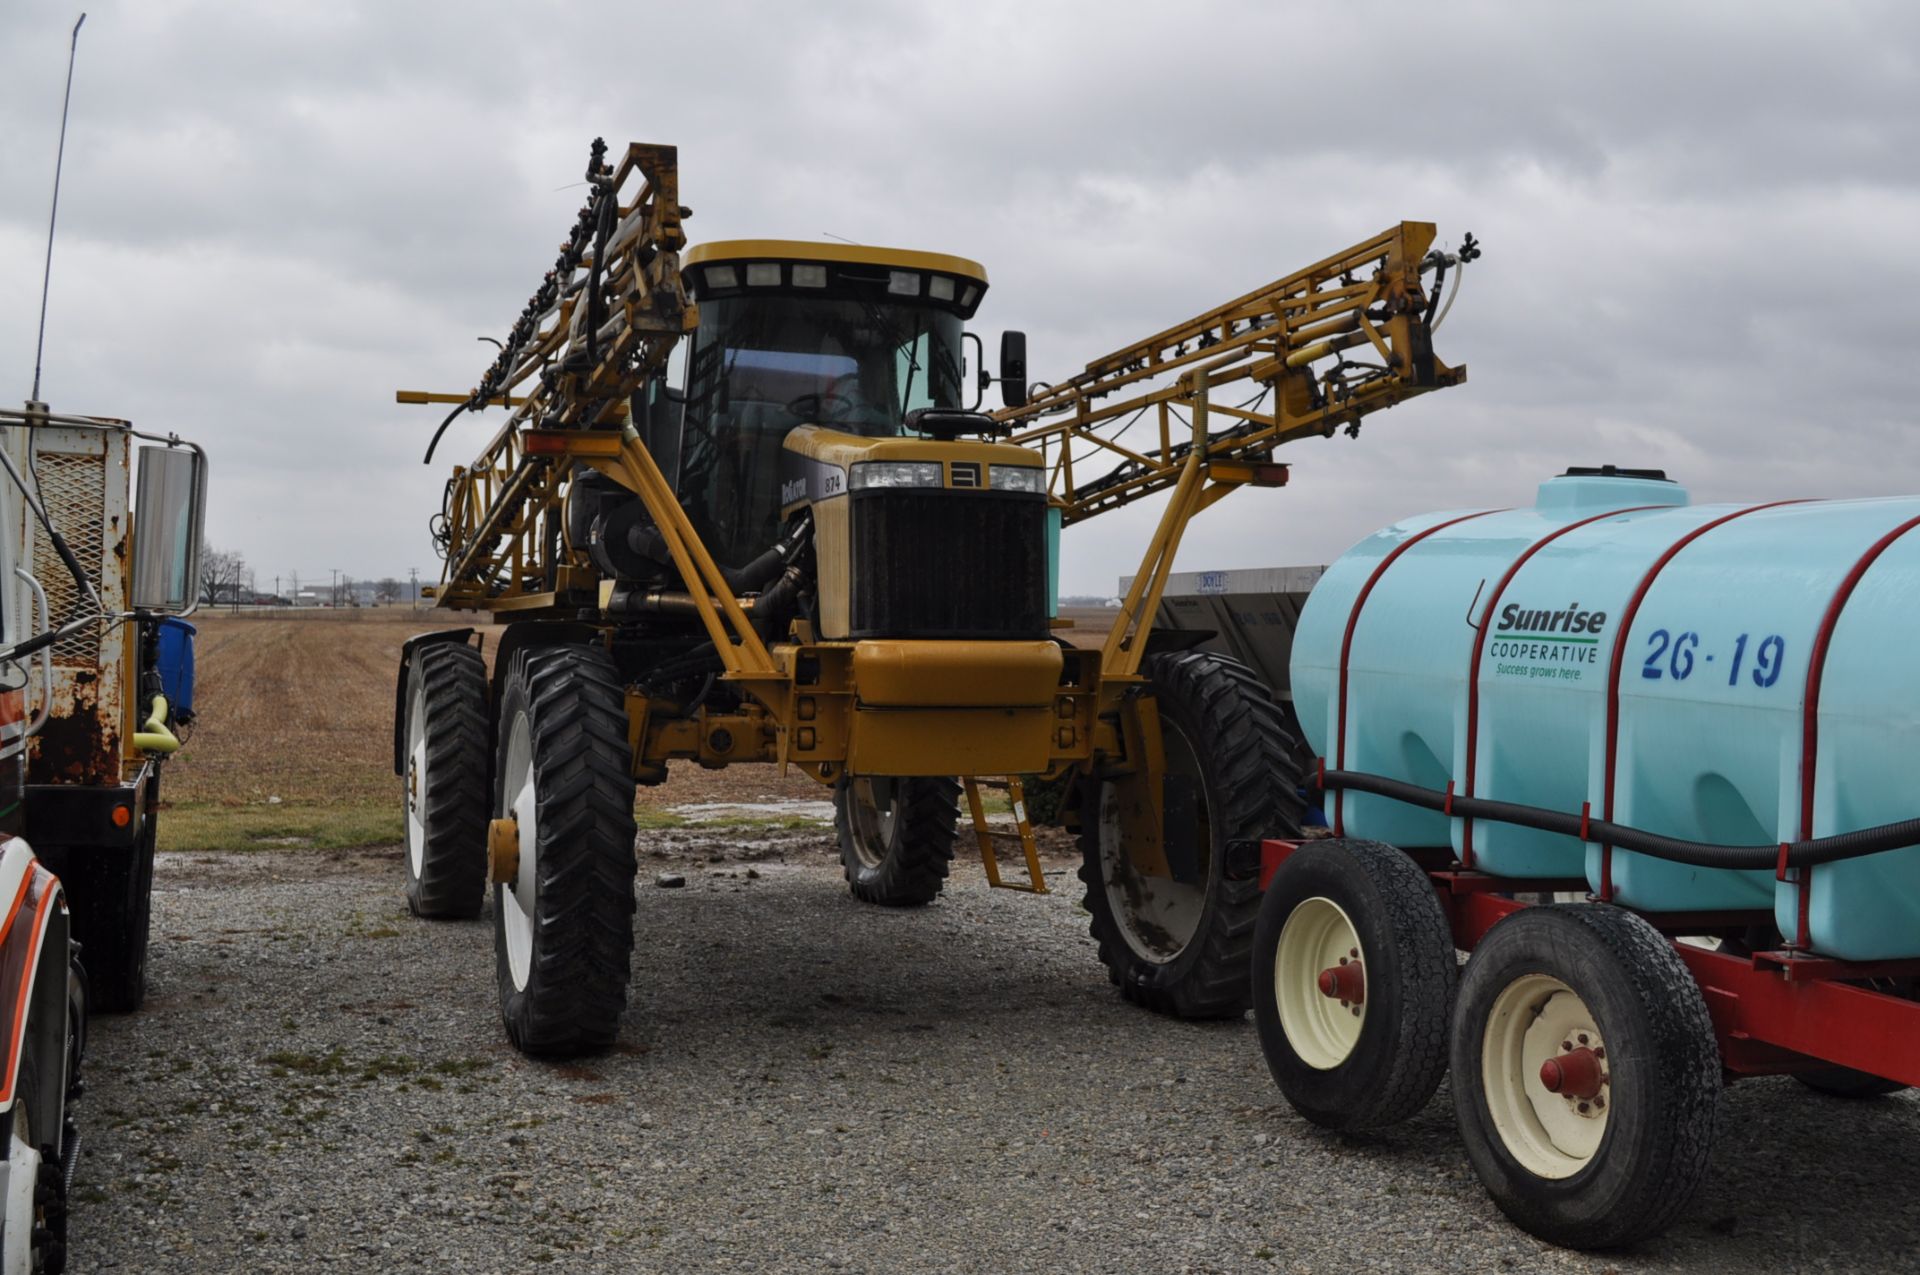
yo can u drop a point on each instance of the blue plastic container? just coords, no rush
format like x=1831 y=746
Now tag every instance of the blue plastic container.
x=175 y=658
x=1511 y=620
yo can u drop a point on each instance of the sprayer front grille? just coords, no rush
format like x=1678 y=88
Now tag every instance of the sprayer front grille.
x=940 y=563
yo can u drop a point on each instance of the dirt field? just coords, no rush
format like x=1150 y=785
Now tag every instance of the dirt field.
x=294 y=742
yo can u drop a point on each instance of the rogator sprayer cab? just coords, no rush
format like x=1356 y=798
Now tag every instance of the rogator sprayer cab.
x=814 y=552
x=825 y=386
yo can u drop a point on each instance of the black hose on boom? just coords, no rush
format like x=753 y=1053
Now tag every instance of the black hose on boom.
x=1698 y=854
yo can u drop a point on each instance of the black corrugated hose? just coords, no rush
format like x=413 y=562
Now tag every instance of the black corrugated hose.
x=1698 y=854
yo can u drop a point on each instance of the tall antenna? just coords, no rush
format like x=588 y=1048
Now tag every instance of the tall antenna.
x=46 y=276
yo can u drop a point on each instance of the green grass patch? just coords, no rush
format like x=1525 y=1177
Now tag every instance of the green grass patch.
x=209 y=825
x=653 y=819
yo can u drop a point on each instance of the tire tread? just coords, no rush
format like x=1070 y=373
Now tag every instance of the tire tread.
x=452 y=883
x=1246 y=746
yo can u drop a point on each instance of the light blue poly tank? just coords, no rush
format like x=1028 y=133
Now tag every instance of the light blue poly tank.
x=1716 y=610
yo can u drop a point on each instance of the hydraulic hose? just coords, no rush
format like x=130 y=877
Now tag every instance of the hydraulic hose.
x=153 y=735
x=1698 y=854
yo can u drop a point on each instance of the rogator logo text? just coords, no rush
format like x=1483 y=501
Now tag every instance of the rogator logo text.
x=1516 y=619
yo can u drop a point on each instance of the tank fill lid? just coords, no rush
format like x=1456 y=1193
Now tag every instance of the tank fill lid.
x=1592 y=489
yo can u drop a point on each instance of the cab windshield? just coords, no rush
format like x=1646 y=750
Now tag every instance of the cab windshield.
x=763 y=364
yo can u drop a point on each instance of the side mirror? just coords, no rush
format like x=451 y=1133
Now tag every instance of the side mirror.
x=168 y=522
x=1013 y=369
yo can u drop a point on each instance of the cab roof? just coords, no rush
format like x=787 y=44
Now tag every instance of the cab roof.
x=732 y=250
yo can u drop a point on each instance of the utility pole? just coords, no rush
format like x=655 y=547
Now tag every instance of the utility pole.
x=59 y=160
x=335 y=590
x=413 y=575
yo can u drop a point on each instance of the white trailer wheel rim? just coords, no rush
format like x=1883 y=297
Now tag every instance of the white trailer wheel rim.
x=520 y=897
x=416 y=777
x=1323 y=1030
x=1552 y=1135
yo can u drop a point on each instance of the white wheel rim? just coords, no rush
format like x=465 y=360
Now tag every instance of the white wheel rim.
x=520 y=898
x=416 y=776
x=23 y=1176
x=1157 y=916
x=1318 y=936
x=875 y=806
x=1538 y=1019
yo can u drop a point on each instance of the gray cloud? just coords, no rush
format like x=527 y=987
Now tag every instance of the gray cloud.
x=1697 y=221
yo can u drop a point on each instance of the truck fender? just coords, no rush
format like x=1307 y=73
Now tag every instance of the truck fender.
x=407 y=648
x=528 y=633
x=37 y=990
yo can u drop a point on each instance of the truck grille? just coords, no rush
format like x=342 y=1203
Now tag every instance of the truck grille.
x=72 y=488
x=948 y=564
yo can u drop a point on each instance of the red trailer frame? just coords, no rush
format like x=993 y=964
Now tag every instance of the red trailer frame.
x=1774 y=1012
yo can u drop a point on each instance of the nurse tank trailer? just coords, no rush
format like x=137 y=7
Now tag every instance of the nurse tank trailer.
x=1698 y=717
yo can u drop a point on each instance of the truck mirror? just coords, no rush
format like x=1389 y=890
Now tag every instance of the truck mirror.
x=168 y=522
x=1013 y=369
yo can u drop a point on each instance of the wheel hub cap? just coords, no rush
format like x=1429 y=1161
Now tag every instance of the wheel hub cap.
x=1345 y=982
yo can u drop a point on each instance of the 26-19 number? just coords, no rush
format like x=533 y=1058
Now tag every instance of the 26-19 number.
x=1670 y=656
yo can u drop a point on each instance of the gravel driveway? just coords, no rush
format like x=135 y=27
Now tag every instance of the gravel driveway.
x=806 y=1083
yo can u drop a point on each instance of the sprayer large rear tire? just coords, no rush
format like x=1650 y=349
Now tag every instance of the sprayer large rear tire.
x=448 y=764
x=1374 y=1060
x=1180 y=949
x=563 y=926
x=896 y=837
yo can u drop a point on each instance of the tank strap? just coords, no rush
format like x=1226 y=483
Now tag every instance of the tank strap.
x=1346 y=650
x=1619 y=663
x=1480 y=645
x=1810 y=705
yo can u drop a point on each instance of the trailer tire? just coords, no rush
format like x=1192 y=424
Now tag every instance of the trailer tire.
x=110 y=898
x=1617 y=1158
x=1375 y=1060
x=1845 y=1082
x=445 y=783
x=563 y=926
x=1183 y=949
x=895 y=848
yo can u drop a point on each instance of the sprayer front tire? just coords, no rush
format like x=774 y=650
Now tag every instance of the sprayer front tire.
x=1595 y=1168
x=896 y=837
x=445 y=785
x=563 y=925
x=1183 y=948
x=1353 y=1062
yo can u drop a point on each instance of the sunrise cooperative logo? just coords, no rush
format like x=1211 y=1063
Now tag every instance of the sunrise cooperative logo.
x=1566 y=636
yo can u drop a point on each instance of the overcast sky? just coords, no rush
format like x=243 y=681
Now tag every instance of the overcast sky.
x=1700 y=222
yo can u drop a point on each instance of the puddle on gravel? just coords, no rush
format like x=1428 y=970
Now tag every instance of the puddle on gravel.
x=820 y=812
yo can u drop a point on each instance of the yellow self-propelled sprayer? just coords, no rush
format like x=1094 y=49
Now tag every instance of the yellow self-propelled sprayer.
x=814 y=551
